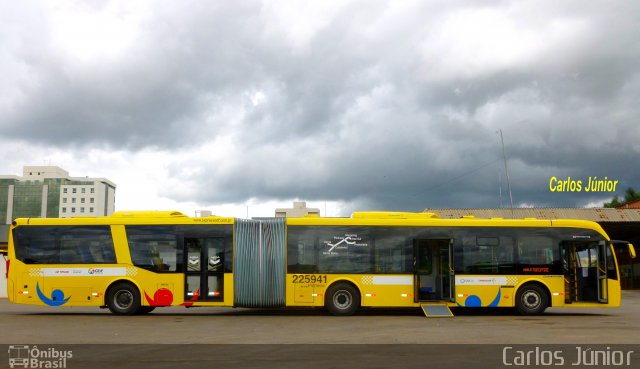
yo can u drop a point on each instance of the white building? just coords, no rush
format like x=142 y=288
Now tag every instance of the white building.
x=49 y=191
x=299 y=210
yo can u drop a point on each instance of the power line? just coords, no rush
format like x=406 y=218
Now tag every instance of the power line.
x=458 y=177
x=506 y=171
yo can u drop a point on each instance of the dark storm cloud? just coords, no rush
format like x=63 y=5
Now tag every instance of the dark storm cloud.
x=164 y=92
x=383 y=106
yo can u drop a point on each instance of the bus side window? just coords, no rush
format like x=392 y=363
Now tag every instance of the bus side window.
x=390 y=254
x=301 y=254
x=485 y=255
x=109 y=254
x=154 y=248
x=535 y=250
x=63 y=244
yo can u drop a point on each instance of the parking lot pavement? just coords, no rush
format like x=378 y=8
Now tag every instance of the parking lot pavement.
x=73 y=325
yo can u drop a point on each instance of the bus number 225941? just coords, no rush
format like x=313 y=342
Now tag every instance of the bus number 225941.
x=309 y=278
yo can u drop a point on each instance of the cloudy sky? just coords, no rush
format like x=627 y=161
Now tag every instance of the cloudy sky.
x=241 y=107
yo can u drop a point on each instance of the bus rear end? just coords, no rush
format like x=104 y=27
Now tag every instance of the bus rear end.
x=10 y=273
x=50 y=264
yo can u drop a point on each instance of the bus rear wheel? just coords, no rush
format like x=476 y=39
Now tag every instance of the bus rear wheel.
x=342 y=299
x=123 y=299
x=531 y=299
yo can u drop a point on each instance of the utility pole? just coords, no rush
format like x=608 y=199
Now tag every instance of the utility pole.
x=506 y=171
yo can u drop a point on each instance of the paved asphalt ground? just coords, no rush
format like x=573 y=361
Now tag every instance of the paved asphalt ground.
x=257 y=338
x=73 y=325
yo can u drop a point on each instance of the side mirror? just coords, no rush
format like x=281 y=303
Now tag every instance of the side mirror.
x=632 y=250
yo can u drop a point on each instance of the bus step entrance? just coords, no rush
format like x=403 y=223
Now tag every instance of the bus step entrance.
x=436 y=311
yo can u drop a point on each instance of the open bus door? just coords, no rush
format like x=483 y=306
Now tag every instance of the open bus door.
x=585 y=268
x=433 y=270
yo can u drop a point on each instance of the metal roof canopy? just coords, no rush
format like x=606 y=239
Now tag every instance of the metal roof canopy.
x=4 y=233
x=599 y=215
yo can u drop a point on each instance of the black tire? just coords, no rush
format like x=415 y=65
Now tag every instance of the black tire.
x=531 y=299
x=342 y=299
x=123 y=299
x=145 y=310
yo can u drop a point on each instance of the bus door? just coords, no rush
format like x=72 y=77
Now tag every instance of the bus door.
x=585 y=271
x=433 y=269
x=204 y=276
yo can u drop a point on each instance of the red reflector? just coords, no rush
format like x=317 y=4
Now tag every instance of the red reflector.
x=6 y=271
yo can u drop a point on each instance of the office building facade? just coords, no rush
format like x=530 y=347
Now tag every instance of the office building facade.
x=49 y=192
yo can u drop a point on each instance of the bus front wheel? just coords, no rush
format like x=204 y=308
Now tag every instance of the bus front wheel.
x=123 y=299
x=342 y=299
x=531 y=299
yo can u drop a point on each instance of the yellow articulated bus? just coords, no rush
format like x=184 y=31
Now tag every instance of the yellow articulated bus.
x=133 y=262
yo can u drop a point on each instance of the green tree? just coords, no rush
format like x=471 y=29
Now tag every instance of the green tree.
x=629 y=195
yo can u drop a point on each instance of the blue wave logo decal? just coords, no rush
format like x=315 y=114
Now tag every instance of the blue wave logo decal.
x=496 y=301
x=474 y=301
x=57 y=297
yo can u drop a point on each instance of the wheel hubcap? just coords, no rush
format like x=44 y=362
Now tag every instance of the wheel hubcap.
x=123 y=299
x=531 y=299
x=342 y=299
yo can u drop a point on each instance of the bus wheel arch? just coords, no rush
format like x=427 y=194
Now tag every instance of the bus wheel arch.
x=342 y=298
x=532 y=298
x=123 y=298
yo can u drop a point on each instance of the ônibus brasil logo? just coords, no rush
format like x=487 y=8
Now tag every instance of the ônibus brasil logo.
x=26 y=356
